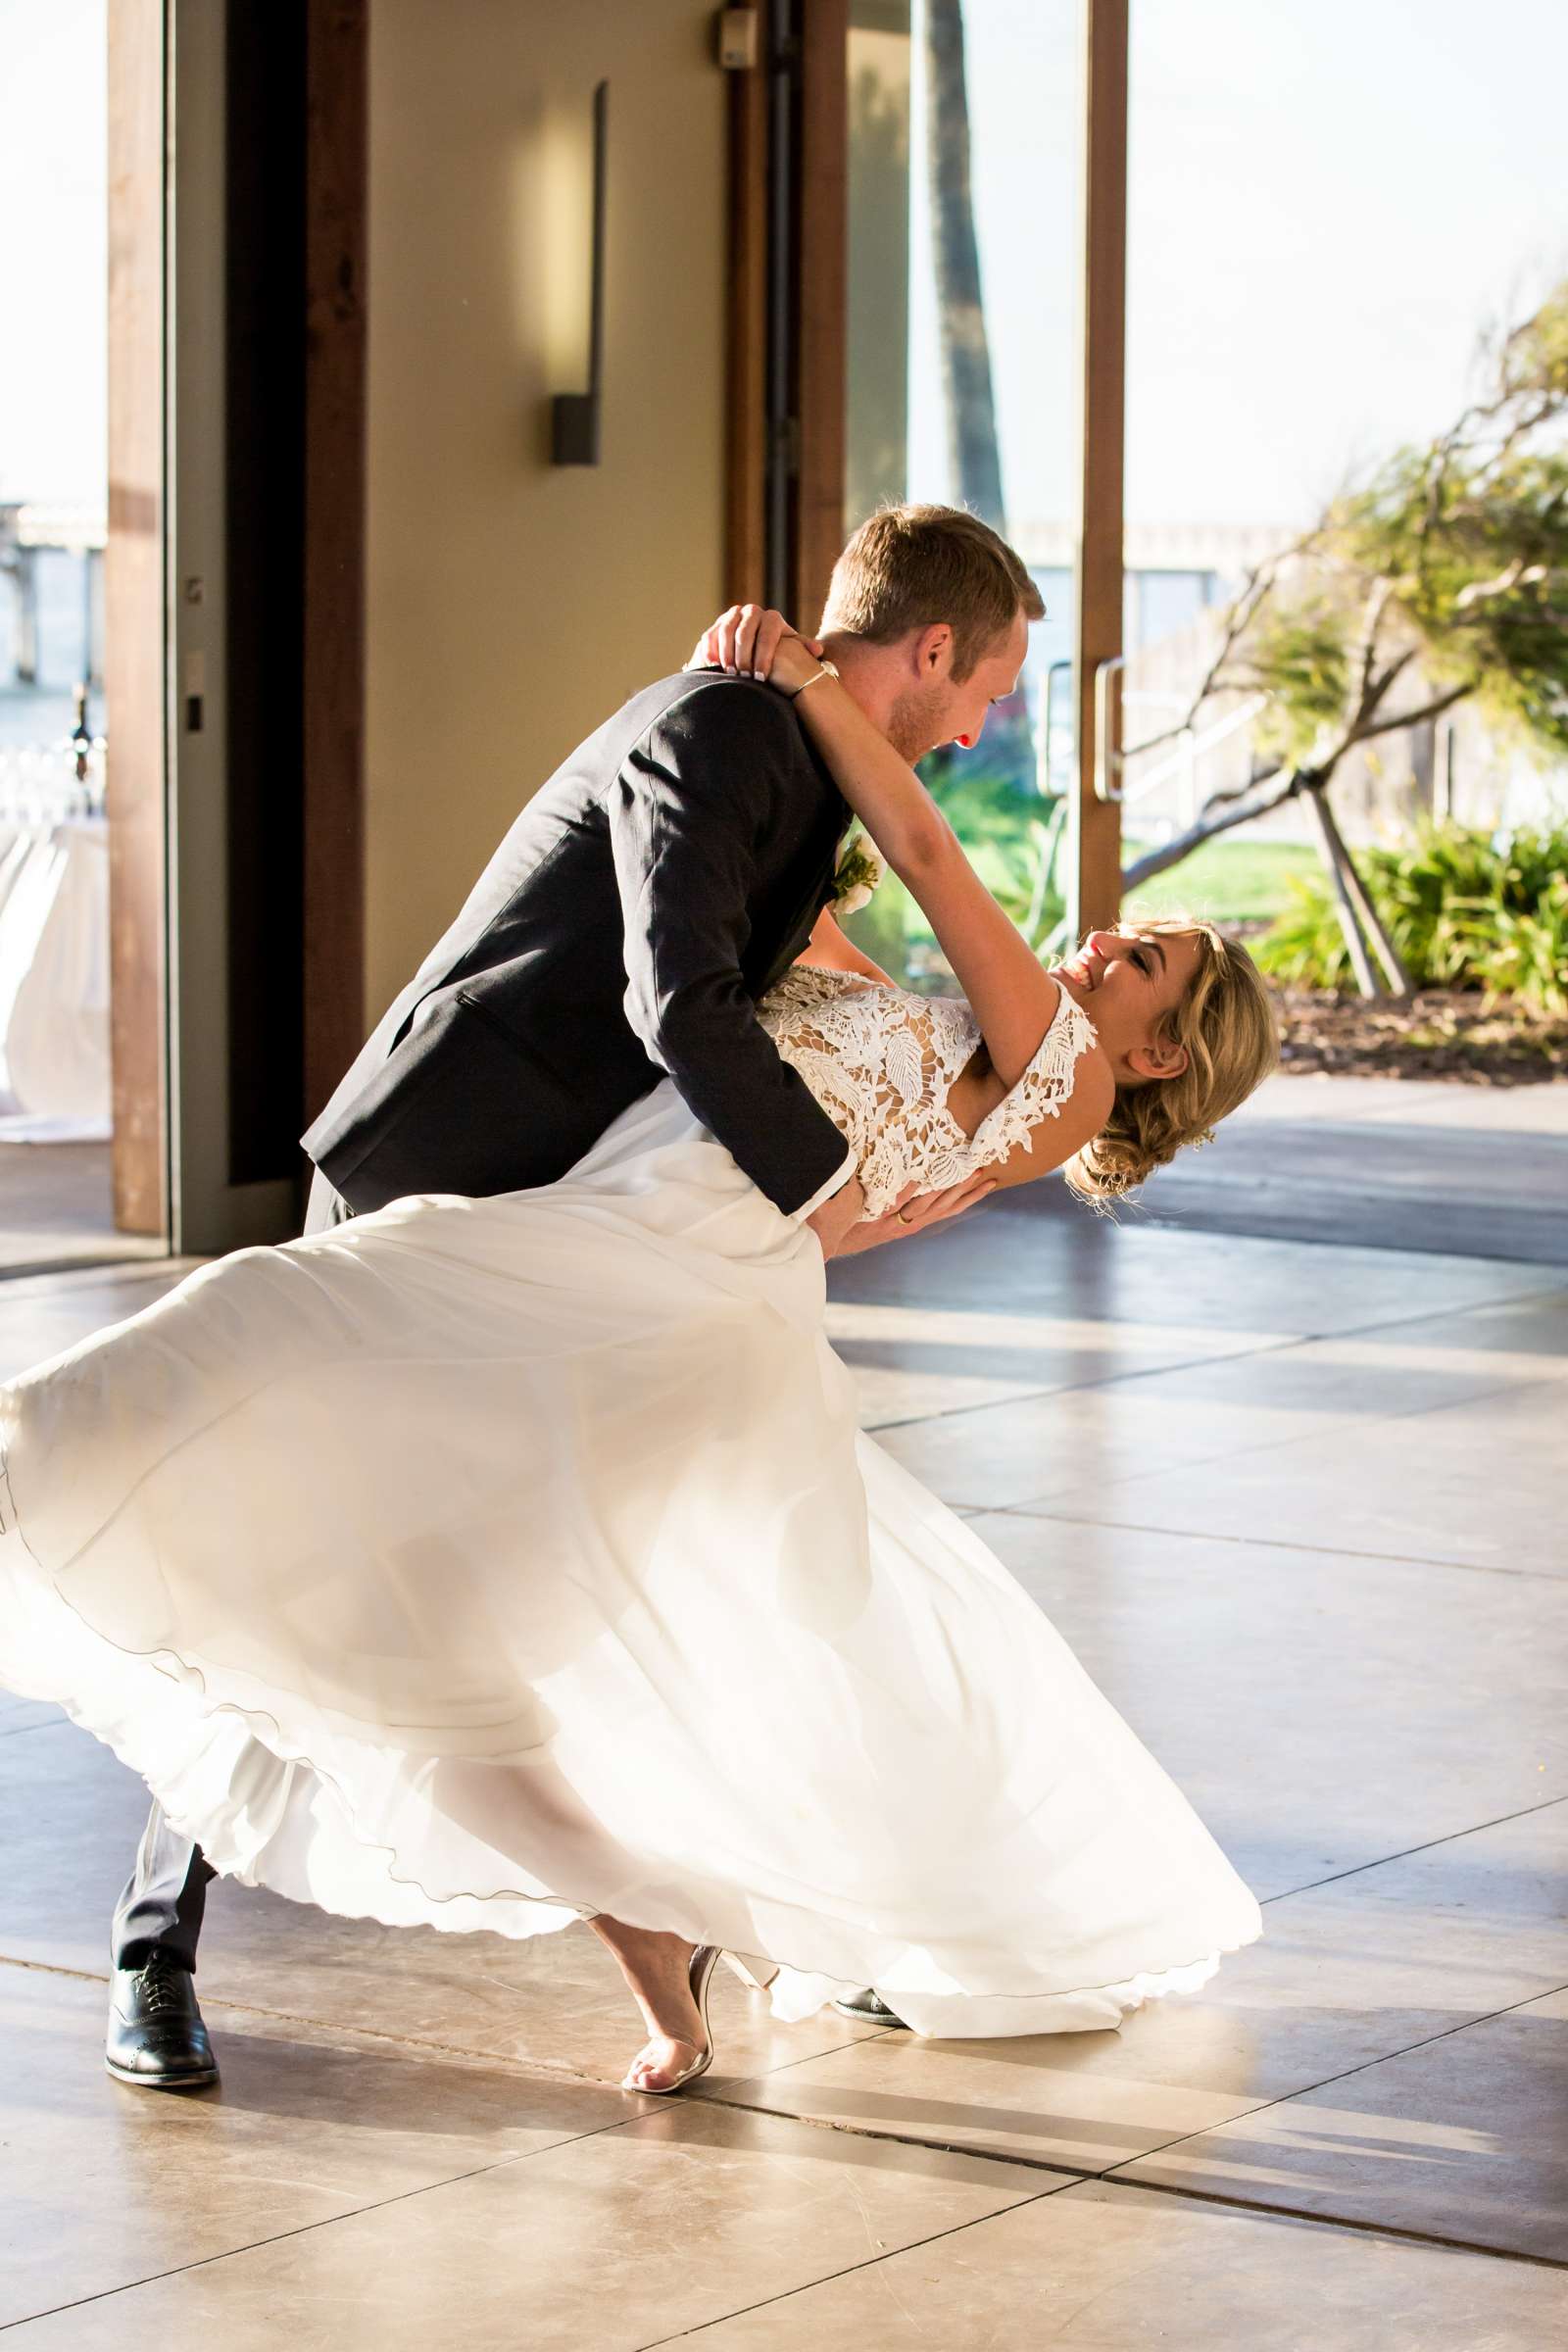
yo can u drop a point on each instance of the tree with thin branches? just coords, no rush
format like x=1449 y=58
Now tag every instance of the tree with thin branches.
x=1442 y=579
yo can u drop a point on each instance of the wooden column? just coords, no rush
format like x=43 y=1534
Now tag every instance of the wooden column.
x=821 y=292
x=1103 y=364
x=746 y=341
x=336 y=198
x=134 y=666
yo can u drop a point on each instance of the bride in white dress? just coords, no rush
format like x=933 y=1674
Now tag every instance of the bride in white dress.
x=495 y=1563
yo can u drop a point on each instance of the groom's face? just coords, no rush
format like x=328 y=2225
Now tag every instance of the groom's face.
x=938 y=708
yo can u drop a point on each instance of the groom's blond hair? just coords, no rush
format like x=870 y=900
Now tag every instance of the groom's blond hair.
x=910 y=568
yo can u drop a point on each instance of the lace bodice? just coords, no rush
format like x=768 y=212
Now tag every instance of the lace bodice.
x=882 y=1064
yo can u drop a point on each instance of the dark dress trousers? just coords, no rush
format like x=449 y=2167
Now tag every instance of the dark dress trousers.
x=645 y=898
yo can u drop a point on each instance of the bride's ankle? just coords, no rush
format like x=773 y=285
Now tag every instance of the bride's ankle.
x=636 y=1948
x=655 y=1968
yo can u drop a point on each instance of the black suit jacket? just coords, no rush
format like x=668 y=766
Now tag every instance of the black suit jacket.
x=645 y=898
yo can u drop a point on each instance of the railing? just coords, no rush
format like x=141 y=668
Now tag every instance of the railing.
x=1192 y=744
x=28 y=529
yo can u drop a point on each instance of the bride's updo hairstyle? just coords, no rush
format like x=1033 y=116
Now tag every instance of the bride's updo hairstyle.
x=1227 y=1025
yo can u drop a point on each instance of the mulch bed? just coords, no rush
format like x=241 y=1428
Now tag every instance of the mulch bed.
x=1438 y=1033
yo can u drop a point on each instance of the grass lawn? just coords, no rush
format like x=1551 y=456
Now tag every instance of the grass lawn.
x=1225 y=881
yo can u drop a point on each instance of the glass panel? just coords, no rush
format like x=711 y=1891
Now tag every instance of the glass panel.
x=914 y=108
x=57 y=1086
x=1326 y=207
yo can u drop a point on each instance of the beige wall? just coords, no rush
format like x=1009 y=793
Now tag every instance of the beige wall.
x=511 y=605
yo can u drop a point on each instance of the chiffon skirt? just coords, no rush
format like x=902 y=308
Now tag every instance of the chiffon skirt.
x=490 y=1563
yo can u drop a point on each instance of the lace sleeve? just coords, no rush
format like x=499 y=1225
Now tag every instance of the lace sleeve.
x=880 y=1063
x=1042 y=1090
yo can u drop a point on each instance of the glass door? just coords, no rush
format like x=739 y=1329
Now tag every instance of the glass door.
x=964 y=160
x=1326 y=218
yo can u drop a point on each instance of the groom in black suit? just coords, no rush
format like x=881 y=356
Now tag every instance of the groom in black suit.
x=666 y=876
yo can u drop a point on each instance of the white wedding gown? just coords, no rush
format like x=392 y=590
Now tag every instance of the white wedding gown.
x=489 y=1562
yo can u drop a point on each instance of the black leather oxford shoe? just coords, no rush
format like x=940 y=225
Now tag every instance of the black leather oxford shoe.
x=155 y=2035
x=869 y=2007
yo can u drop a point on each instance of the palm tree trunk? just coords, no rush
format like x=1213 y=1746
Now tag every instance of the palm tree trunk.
x=972 y=444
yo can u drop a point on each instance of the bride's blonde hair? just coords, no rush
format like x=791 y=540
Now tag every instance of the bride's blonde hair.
x=1227 y=1025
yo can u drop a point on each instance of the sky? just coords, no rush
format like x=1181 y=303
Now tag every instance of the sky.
x=53 y=249
x=1327 y=200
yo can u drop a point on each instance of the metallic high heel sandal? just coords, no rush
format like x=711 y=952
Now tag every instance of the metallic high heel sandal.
x=755 y=1974
x=700 y=1975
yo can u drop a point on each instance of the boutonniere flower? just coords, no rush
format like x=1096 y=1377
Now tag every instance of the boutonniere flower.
x=860 y=867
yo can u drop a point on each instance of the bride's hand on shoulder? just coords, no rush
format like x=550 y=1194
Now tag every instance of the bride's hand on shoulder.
x=754 y=641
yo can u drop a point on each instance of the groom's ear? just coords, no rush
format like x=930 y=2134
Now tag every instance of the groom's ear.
x=933 y=652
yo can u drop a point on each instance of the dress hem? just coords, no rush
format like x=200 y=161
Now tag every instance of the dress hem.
x=567 y=1910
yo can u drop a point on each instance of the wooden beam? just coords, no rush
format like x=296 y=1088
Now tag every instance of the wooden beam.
x=821 y=293
x=337 y=239
x=1103 y=374
x=134 y=666
x=746 y=352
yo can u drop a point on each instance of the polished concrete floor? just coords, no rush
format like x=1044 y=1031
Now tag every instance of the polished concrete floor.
x=1299 y=1509
x=57 y=1209
x=1379 y=1162
x=1392 y=1163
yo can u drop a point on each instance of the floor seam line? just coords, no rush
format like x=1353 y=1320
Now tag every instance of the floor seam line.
x=809 y=2058
x=1439 y=1314
x=279 y=2237
x=1311 y=2221
x=1306 y=2090
x=1426 y=1847
x=1339 y=2221
x=1273 y=1347
x=1167 y=1221
x=1076 y=1387
x=1203 y=1534
x=1119 y=2172
x=905 y=2140
x=872 y=2261
x=1357 y=1421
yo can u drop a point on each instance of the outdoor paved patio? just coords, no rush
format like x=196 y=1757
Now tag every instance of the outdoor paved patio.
x=1299 y=1508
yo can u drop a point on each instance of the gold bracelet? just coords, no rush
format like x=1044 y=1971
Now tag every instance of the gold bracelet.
x=827 y=670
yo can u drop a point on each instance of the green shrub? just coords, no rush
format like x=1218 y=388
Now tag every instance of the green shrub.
x=1008 y=831
x=1464 y=910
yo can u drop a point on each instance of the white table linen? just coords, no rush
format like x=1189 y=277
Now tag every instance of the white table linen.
x=54 y=981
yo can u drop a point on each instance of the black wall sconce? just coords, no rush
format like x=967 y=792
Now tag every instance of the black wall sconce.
x=575 y=419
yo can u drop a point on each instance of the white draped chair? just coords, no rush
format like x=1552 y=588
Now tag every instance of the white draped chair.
x=54 y=979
